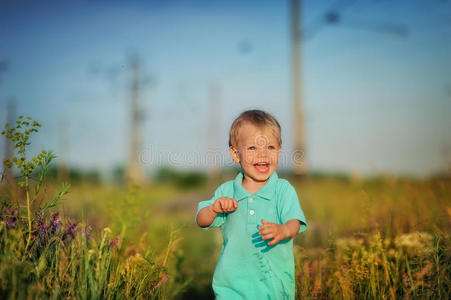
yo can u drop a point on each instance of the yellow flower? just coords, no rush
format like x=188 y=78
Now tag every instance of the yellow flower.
x=415 y=243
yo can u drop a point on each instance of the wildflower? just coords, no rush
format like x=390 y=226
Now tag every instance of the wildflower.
x=88 y=231
x=107 y=230
x=11 y=217
x=54 y=224
x=91 y=252
x=42 y=230
x=415 y=243
x=70 y=229
x=11 y=222
x=115 y=242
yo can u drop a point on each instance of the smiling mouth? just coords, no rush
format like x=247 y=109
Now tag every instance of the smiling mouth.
x=262 y=167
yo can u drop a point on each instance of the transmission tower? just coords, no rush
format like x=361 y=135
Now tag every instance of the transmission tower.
x=135 y=171
x=298 y=36
x=298 y=164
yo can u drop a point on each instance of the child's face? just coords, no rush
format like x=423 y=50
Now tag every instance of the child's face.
x=257 y=151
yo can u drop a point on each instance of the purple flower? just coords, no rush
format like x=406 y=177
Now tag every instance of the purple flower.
x=88 y=231
x=54 y=224
x=116 y=241
x=11 y=216
x=11 y=222
x=42 y=230
x=70 y=228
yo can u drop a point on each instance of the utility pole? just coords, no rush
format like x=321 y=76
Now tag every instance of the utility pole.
x=299 y=166
x=135 y=171
x=298 y=36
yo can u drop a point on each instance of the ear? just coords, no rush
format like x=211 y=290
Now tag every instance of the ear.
x=234 y=154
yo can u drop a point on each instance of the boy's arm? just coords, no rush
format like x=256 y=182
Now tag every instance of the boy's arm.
x=207 y=214
x=292 y=228
x=279 y=232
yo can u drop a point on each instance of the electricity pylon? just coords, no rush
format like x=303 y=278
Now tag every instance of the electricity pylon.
x=298 y=36
x=135 y=171
x=298 y=159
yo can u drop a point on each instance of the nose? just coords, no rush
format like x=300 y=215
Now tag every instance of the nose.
x=262 y=152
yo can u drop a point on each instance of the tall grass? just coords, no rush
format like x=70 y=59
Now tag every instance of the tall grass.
x=380 y=238
x=46 y=255
x=415 y=265
x=385 y=238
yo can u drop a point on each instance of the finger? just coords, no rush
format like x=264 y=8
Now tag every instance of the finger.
x=235 y=203
x=268 y=236
x=217 y=207
x=273 y=242
x=266 y=230
x=264 y=222
x=222 y=206
x=267 y=225
x=262 y=227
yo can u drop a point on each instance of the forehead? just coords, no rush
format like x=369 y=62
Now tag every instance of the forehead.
x=249 y=133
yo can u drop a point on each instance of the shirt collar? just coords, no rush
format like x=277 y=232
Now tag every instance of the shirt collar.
x=266 y=192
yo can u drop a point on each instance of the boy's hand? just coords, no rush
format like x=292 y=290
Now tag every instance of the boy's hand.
x=224 y=204
x=276 y=232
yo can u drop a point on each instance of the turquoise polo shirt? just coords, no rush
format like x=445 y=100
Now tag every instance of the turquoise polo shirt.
x=248 y=268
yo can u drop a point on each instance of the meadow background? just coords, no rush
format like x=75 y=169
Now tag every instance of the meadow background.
x=135 y=98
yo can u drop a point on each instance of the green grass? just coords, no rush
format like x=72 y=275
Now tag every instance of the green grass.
x=380 y=238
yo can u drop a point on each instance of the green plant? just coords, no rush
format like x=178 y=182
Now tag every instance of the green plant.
x=20 y=134
x=48 y=256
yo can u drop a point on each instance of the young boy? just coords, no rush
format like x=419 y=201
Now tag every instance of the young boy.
x=258 y=214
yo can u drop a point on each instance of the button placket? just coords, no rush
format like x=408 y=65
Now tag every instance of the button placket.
x=251 y=213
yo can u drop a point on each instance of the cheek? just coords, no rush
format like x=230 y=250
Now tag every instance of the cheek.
x=274 y=157
x=248 y=158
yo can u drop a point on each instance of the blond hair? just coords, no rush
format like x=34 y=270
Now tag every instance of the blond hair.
x=256 y=117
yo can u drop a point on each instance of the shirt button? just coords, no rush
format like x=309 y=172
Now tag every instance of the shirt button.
x=251 y=212
x=250 y=199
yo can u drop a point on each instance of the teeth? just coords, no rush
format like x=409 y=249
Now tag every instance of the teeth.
x=262 y=164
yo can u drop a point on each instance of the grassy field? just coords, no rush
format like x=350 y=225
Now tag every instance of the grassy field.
x=377 y=238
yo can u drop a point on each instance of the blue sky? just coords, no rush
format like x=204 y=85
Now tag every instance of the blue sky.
x=374 y=101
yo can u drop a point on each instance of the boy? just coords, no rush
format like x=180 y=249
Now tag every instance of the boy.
x=258 y=214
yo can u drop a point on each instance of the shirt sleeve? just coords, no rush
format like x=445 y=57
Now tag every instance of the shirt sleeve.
x=290 y=208
x=220 y=218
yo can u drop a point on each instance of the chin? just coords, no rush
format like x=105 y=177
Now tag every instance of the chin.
x=263 y=177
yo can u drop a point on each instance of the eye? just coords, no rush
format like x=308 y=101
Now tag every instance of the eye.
x=271 y=147
x=251 y=148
